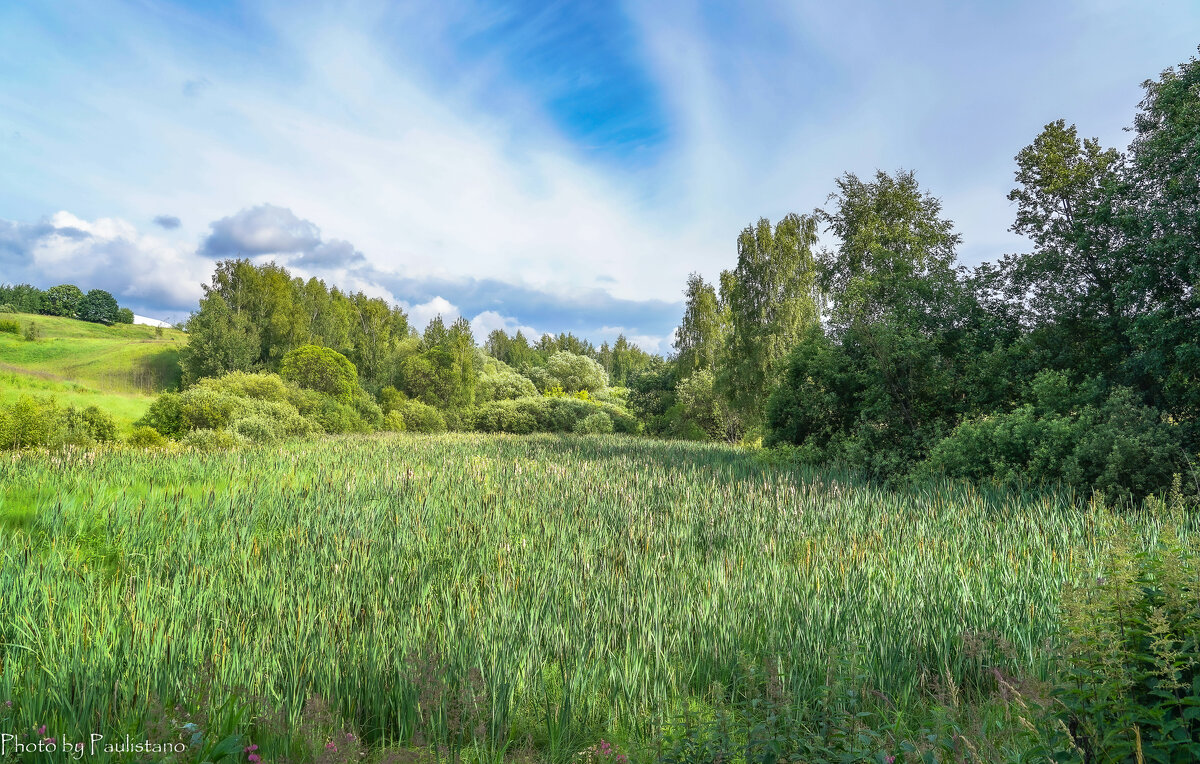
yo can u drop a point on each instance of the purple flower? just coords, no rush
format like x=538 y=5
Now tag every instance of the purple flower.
x=79 y=746
x=254 y=758
x=251 y=748
x=349 y=736
x=889 y=759
x=8 y=704
x=331 y=747
x=41 y=730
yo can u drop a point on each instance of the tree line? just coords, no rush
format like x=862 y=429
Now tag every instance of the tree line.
x=1074 y=363
x=67 y=300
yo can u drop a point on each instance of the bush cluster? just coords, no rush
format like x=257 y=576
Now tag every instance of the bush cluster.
x=32 y=422
x=551 y=414
x=257 y=408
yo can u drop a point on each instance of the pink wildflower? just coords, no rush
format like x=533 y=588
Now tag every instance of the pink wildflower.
x=41 y=730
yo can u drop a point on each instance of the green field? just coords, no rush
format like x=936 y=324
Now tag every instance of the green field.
x=572 y=587
x=118 y=368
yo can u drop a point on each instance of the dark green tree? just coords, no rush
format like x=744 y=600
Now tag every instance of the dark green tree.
x=98 y=306
x=62 y=300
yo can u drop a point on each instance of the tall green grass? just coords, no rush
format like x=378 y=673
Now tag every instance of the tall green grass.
x=596 y=585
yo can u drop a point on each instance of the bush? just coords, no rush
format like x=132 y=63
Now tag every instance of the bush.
x=499 y=382
x=419 y=417
x=393 y=421
x=146 y=437
x=89 y=425
x=263 y=386
x=322 y=369
x=203 y=408
x=1131 y=651
x=1118 y=445
x=210 y=440
x=125 y=316
x=595 y=424
x=576 y=372
x=33 y=332
x=29 y=422
x=165 y=416
x=8 y=307
x=10 y=326
x=258 y=429
x=503 y=416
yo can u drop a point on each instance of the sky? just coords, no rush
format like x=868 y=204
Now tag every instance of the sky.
x=552 y=166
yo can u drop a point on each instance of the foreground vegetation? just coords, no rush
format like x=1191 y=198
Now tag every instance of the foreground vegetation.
x=486 y=595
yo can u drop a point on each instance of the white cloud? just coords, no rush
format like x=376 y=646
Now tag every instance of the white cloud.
x=419 y=316
x=489 y=321
x=111 y=254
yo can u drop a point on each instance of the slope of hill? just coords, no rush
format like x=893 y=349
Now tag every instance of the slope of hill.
x=119 y=368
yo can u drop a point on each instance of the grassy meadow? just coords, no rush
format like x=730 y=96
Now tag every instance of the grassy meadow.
x=119 y=368
x=497 y=593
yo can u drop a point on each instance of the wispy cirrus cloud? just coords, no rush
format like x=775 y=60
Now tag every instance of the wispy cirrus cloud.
x=543 y=163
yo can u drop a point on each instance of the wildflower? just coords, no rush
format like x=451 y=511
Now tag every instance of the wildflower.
x=331 y=747
x=889 y=759
x=251 y=748
x=41 y=730
x=349 y=737
x=254 y=758
x=79 y=746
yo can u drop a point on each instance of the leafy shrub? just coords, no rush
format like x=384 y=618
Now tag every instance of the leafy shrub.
x=594 y=424
x=125 y=316
x=576 y=372
x=499 y=382
x=1130 y=685
x=419 y=417
x=1118 y=446
x=203 y=408
x=10 y=326
x=33 y=332
x=88 y=425
x=322 y=369
x=29 y=422
x=286 y=419
x=258 y=429
x=335 y=417
x=393 y=421
x=548 y=414
x=367 y=409
x=264 y=386
x=33 y=421
x=210 y=440
x=146 y=437
x=503 y=416
x=8 y=307
x=165 y=415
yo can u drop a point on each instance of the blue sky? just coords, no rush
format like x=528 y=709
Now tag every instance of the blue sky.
x=553 y=166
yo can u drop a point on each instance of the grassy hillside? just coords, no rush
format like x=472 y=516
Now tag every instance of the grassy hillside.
x=119 y=368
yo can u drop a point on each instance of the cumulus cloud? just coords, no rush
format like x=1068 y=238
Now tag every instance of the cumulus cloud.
x=146 y=272
x=262 y=230
x=420 y=315
x=169 y=222
x=489 y=321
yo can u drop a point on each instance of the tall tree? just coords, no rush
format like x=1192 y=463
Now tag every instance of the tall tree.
x=1070 y=284
x=771 y=300
x=701 y=333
